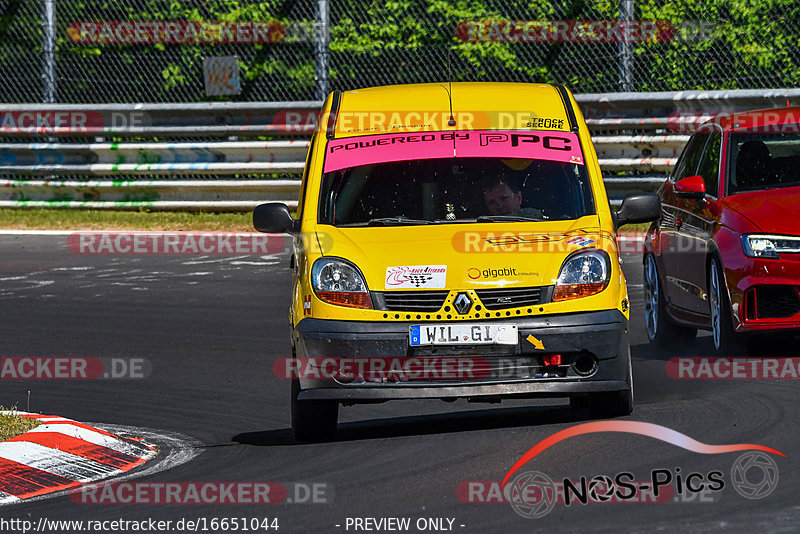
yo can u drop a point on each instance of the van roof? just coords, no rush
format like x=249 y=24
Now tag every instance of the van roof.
x=426 y=107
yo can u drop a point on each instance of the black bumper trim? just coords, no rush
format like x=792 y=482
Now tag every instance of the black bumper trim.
x=341 y=329
x=599 y=332
x=602 y=333
x=551 y=388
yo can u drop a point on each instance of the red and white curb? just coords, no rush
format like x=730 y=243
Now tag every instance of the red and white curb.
x=61 y=454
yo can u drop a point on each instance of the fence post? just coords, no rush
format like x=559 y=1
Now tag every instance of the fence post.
x=625 y=48
x=49 y=51
x=321 y=41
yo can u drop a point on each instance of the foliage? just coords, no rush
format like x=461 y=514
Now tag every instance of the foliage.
x=743 y=45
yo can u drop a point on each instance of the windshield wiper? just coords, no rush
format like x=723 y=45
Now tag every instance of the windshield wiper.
x=391 y=221
x=506 y=218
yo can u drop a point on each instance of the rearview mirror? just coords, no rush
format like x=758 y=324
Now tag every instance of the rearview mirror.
x=274 y=218
x=639 y=208
x=691 y=187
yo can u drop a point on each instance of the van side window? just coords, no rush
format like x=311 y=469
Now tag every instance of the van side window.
x=307 y=169
x=709 y=164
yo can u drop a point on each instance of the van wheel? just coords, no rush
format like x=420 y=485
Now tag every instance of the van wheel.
x=579 y=402
x=607 y=403
x=313 y=420
x=660 y=329
x=603 y=405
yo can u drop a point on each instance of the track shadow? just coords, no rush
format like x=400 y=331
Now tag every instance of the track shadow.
x=773 y=345
x=703 y=346
x=420 y=425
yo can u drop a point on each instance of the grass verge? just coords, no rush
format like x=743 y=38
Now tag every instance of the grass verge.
x=50 y=219
x=640 y=227
x=13 y=425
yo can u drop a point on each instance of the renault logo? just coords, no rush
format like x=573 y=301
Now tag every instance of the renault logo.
x=462 y=303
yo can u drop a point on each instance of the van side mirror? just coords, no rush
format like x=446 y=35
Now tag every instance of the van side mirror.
x=638 y=208
x=274 y=218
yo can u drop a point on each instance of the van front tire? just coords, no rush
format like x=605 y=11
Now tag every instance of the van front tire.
x=611 y=404
x=313 y=421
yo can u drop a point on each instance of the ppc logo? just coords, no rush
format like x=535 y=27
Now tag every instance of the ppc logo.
x=486 y=138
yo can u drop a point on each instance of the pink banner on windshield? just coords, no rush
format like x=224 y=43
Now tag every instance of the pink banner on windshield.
x=527 y=144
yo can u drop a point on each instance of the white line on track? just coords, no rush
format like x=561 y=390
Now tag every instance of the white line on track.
x=39 y=232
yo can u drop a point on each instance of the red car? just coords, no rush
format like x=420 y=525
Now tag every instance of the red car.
x=725 y=254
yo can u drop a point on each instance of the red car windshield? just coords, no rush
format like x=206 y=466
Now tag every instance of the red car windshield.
x=761 y=161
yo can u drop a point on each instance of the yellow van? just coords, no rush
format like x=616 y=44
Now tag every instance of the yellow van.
x=455 y=241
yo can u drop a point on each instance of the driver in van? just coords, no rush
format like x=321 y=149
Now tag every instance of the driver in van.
x=504 y=197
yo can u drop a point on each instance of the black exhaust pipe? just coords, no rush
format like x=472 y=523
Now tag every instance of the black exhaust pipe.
x=584 y=364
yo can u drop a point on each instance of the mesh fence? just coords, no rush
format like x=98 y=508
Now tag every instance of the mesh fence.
x=154 y=50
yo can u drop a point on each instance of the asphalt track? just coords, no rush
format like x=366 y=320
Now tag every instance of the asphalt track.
x=211 y=326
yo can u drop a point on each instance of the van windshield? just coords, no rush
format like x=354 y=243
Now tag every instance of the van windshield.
x=428 y=190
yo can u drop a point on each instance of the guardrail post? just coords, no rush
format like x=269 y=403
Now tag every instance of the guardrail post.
x=321 y=41
x=625 y=47
x=49 y=51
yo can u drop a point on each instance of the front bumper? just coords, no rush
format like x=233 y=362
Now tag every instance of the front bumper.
x=601 y=334
x=765 y=294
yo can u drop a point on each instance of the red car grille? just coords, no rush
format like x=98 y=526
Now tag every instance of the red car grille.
x=772 y=302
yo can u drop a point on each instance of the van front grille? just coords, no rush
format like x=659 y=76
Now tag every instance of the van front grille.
x=515 y=297
x=413 y=301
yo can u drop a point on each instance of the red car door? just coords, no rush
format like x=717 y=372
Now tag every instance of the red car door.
x=678 y=219
x=700 y=218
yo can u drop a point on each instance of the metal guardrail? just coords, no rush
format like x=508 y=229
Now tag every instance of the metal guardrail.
x=637 y=136
x=102 y=159
x=157 y=120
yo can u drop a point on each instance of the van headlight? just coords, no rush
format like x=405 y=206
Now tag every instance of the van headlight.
x=583 y=274
x=337 y=281
x=769 y=246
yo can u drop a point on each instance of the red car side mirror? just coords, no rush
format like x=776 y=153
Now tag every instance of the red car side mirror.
x=691 y=187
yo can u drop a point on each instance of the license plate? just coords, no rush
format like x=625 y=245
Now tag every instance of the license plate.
x=463 y=334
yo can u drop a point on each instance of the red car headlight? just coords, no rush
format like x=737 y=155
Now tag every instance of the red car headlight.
x=769 y=246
